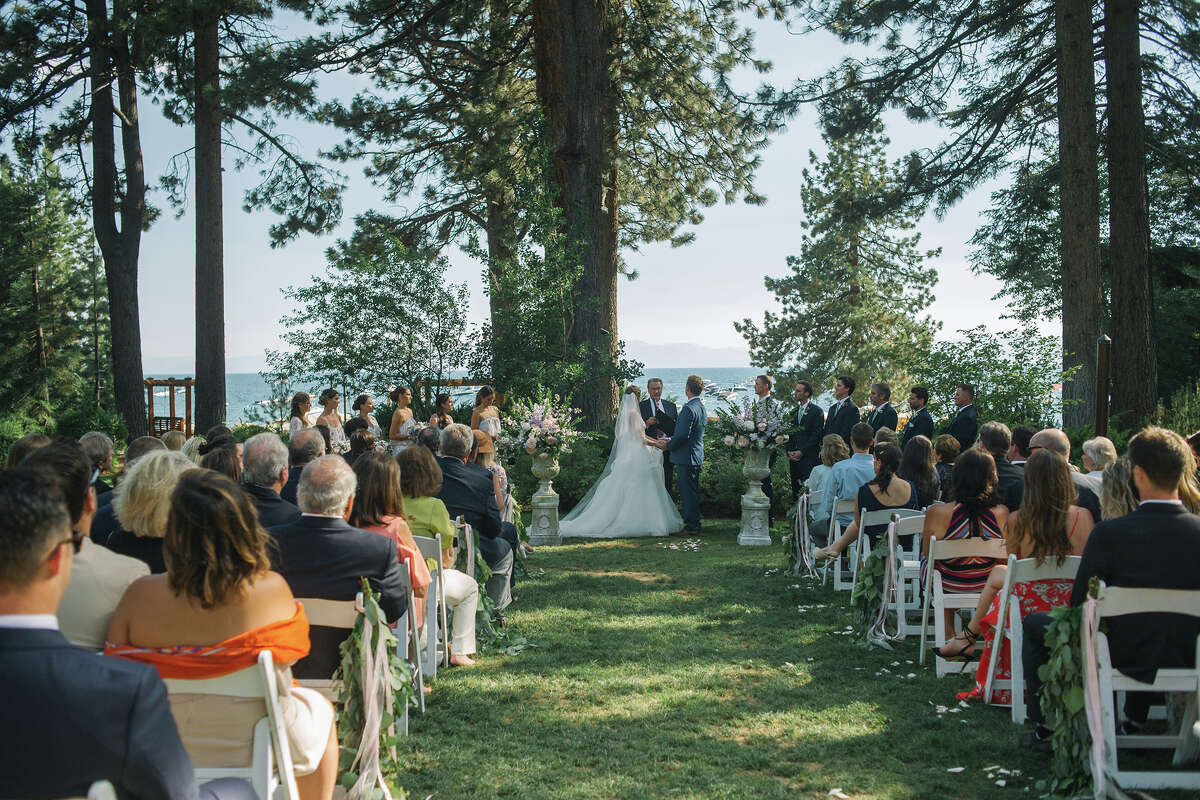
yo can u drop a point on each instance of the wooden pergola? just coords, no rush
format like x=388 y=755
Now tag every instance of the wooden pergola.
x=160 y=425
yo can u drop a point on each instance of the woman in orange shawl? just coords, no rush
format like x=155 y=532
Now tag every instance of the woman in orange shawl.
x=217 y=607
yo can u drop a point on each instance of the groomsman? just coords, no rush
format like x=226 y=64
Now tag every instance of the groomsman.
x=804 y=446
x=965 y=425
x=920 y=421
x=884 y=416
x=768 y=408
x=843 y=414
x=660 y=416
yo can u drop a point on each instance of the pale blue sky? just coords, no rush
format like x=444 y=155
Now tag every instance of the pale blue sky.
x=689 y=295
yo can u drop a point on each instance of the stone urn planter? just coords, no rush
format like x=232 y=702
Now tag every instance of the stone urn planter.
x=543 y=528
x=756 y=507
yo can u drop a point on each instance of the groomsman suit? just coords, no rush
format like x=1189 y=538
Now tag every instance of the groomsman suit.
x=810 y=429
x=842 y=416
x=965 y=426
x=919 y=424
x=665 y=413
x=686 y=451
x=884 y=416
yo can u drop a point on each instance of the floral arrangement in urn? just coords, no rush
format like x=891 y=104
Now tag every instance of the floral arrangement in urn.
x=753 y=426
x=546 y=425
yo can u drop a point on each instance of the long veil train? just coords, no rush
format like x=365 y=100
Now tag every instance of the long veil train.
x=629 y=498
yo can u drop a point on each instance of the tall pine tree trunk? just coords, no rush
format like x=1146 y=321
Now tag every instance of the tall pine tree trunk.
x=571 y=51
x=120 y=248
x=210 y=258
x=1134 y=351
x=1080 y=207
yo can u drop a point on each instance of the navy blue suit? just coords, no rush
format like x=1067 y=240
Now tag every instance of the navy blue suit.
x=841 y=419
x=883 y=417
x=76 y=717
x=964 y=426
x=272 y=508
x=919 y=424
x=810 y=430
x=686 y=451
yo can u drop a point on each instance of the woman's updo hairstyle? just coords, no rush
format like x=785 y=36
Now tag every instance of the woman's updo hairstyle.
x=359 y=401
x=327 y=395
x=888 y=456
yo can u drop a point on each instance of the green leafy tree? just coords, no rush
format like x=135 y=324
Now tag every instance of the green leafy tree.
x=852 y=300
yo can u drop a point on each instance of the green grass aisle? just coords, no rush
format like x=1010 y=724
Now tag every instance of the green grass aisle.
x=682 y=673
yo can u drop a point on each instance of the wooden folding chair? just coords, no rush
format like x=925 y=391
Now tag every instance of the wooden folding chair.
x=1008 y=623
x=941 y=550
x=436 y=633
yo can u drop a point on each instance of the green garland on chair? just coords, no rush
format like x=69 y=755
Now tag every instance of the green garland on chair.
x=867 y=594
x=1063 y=705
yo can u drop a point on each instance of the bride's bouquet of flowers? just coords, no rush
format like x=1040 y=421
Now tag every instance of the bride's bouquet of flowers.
x=753 y=426
x=544 y=425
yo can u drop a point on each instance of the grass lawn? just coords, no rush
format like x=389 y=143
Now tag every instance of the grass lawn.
x=676 y=673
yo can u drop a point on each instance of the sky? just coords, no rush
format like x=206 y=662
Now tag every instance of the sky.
x=680 y=309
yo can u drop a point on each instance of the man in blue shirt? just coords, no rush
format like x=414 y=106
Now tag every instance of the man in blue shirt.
x=846 y=478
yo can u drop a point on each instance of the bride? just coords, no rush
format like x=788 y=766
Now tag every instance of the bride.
x=629 y=499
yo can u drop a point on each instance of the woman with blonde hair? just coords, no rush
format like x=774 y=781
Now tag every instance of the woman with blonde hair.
x=142 y=502
x=191 y=449
x=1118 y=495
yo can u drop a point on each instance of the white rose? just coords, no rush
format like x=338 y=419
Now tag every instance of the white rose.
x=748 y=425
x=742 y=441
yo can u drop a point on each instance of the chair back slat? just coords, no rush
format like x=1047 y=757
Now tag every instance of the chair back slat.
x=1115 y=601
x=1025 y=570
x=942 y=549
x=844 y=506
x=428 y=546
x=332 y=613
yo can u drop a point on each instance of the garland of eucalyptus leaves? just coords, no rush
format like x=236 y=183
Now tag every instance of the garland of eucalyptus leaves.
x=1063 y=704
x=867 y=594
x=369 y=628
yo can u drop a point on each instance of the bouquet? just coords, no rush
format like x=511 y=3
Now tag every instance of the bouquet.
x=754 y=425
x=545 y=425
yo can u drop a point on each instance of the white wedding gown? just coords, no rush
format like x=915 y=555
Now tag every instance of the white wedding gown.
x=629 y=499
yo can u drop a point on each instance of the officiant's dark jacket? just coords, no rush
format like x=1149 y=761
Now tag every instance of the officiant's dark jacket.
x=1157 y=546
x=919 y=424
x=666 y=420
x=841 y=420
x=76 y=717
x=326 y=558
x=810 y=430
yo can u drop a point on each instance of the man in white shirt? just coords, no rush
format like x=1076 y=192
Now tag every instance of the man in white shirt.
x=99 y=576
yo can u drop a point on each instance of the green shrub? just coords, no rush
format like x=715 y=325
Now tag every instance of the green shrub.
x=722 y=483
x=578 y=472
x=1181 y=412
x=13 y=428
x=78 y=420
x=245 y=430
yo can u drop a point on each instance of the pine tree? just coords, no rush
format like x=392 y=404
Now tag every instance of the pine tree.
x=851 y=302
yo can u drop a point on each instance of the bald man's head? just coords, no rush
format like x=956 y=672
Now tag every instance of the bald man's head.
x=1052 y=439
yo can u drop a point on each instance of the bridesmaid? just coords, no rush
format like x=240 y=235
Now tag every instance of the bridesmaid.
x=332 y=420
x=442 y=415
x=364 y=404
x=486 y=417
x=298 y=419
x=400 y=431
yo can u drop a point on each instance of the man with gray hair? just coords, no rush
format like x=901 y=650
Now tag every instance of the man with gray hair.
x=265 y=472
x=307 y=445
x=322 y=556
x=98 y=447
x=1098 y=453
x=1056 y=441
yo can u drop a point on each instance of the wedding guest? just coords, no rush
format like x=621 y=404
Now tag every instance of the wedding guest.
x=804 y=445
x=843 y=414
x=1010 y=479
x=846 y=478
x=218 y=430
x=24 y=446
x=174 y=440
x=920 y=421
x=887 y=436
x=364 y=404
x=1019 y=452
x=420 y=480
x=431 y=439
x=226 y=460
x=947 y=450
x=1194 y=443
x=111 y=717
x=298 y=419
x=191 y=449
x=443 y=411
x=322 y=556
x=659 y=416
x=885 y=491
x=965 y=425
x=1056 y=441
x=98 y=448
x=305 y=447
x=361 y=442
x=833 y=450
x=332 y=421
x=486 y=417
x=220 y=596
x=265 y=463
x=105 y=523
x=883 y=415
x=142 y=501
x=1118 y=495
x=1098 y=453
x=403 y=424
x=98 y=576
x=918 y=467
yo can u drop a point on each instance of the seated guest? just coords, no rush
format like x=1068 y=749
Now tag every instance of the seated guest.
x=996 y=438
x=883 y=416
x=1118 y=495
x=98 y=449
x=1056 y=441
x=105 y=524
x=1155 y=547
x=1018 y=452
x=920 y=421
x=191 y=449
x=324 y=557
x=832 y=451
x=174 y=440
x=1047 y=526
x=361 y=441
x=845 y=479
x=917 y=466
x=306 y=446
x=975 y=513
x=887 y=436
x=111 y=716
x=431 y=439
x=142 y=501
x=1098 y=453
x=885 y=491
x=379 y=508
x=265 y=472
x=98 y=576
x=217 y=607
x=946 y=448
x=24 y=446
x=965 y=425
x=225 y=460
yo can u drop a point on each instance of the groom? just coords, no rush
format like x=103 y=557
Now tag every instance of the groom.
x=686 y=451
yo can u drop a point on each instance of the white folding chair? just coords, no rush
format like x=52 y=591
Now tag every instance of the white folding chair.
x=835 y=533
x=271 y=760
x=867 y=519
x=408 y=639
x=437 y=635
x=1114 y=601
x=329 y=614
x=908 y=592
x=802 y=548
x=941 y=550
x=466 y=540
x=1008 y=623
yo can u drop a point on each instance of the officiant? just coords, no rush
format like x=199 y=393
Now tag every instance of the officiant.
x=660 y=416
